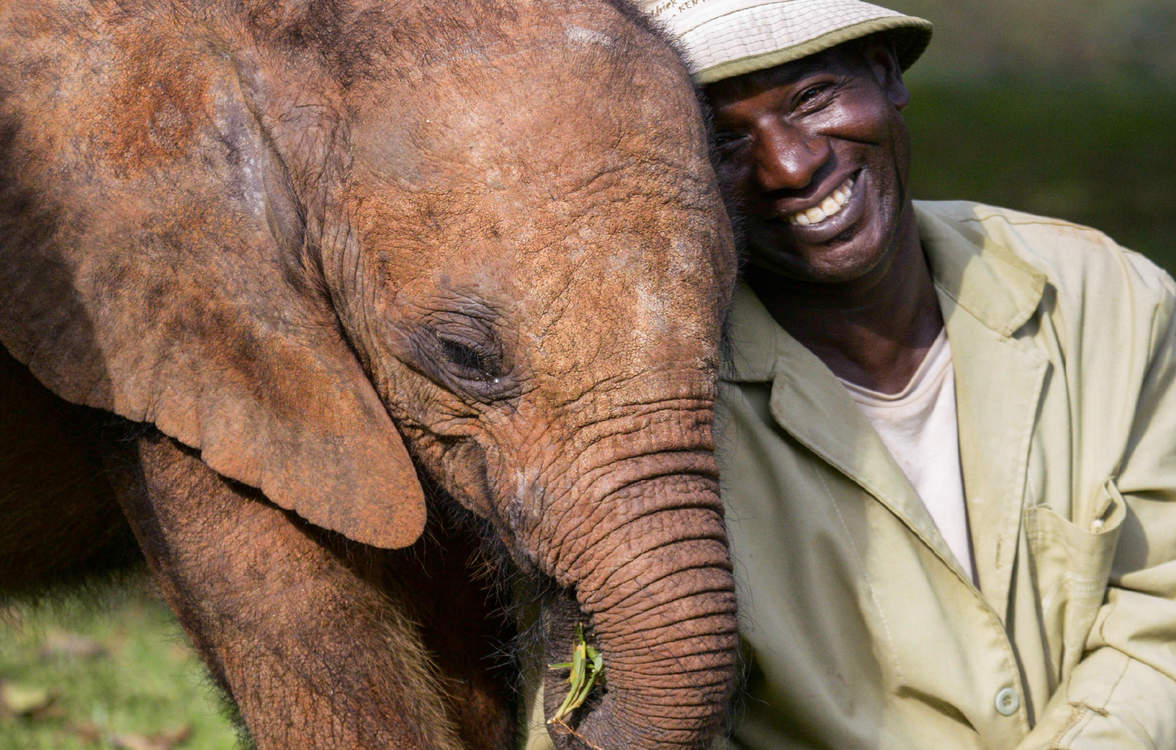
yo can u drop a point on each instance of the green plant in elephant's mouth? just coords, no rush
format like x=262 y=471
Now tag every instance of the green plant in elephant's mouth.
x=585 y=669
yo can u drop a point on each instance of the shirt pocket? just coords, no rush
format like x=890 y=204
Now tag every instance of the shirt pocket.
x=1070 y=563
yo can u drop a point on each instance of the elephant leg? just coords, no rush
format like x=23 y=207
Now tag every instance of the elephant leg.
x=313 y=655
x=59 y=521
x=455 y=591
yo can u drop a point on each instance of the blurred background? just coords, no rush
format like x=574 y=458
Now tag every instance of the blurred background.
x=1059 y=107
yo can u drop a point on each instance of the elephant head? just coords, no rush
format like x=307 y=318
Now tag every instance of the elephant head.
x=483 y=235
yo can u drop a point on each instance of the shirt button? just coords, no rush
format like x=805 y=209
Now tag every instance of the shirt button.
x=1007 y=701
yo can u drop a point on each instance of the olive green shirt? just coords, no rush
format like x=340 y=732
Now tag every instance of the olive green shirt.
x=861 y=629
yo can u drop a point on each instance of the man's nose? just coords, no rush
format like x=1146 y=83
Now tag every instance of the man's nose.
x=787 y=157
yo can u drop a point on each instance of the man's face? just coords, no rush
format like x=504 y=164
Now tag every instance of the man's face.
x=815 y=153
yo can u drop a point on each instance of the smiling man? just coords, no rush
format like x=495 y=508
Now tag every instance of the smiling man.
x=948 y=436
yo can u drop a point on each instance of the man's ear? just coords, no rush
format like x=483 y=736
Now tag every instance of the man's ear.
x=883 y=64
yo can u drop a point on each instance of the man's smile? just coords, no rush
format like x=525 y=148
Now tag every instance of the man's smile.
x=830 y=206
x=824 y=218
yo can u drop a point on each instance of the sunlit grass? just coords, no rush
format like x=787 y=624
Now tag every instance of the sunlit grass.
x=106 y=669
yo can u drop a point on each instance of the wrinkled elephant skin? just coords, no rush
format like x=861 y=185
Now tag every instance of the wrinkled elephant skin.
x=332 y=265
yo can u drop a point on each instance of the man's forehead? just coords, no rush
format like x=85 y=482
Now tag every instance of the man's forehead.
x=841 y=58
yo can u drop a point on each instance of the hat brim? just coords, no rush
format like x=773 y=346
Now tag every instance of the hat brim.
x=909 y=34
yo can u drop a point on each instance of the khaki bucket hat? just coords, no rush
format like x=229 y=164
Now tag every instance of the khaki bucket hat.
x=726 y=38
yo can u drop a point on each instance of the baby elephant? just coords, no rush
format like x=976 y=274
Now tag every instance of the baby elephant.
x=322 y=299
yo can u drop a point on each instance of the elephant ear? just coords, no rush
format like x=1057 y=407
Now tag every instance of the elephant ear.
x=156 y=271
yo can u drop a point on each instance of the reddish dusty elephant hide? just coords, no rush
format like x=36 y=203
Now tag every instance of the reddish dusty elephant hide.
x=351 y=311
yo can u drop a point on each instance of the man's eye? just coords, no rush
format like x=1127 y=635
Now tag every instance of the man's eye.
x=811 y=94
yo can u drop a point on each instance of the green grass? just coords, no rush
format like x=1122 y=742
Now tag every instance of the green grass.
x=143 y=683
x=1101 y=155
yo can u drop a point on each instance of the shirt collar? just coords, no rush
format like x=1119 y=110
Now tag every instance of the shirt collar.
x=971 y=264
x=754 y=338
x=969 y=251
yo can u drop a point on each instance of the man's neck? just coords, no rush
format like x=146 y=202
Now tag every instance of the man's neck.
x=873 y=332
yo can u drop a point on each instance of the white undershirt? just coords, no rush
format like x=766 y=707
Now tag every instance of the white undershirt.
x=918 y=425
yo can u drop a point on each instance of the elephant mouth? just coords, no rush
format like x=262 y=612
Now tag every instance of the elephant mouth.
x=564 y=626
x=566 y=629
x=615 y=706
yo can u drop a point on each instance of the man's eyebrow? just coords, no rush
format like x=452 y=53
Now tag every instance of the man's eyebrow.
x=792 y=72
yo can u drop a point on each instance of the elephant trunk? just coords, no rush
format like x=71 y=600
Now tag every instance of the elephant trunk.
x=661 y=602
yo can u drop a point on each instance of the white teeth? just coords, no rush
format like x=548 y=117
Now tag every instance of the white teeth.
x=831 y=206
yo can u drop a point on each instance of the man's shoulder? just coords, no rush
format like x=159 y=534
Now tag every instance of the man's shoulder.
x=1073 y=257
x=1029 y=235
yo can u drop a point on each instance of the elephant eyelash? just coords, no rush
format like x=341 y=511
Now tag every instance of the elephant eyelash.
x=471 y=360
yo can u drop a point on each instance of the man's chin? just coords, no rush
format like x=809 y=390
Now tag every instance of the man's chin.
x=839 y=262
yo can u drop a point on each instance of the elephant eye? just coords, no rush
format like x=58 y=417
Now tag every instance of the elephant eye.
x=474 y=364
x=458 y=346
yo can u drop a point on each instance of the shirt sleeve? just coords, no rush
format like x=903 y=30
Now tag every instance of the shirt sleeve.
x=1122 y=693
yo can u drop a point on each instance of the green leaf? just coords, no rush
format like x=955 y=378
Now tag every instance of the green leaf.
x=585 y=669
